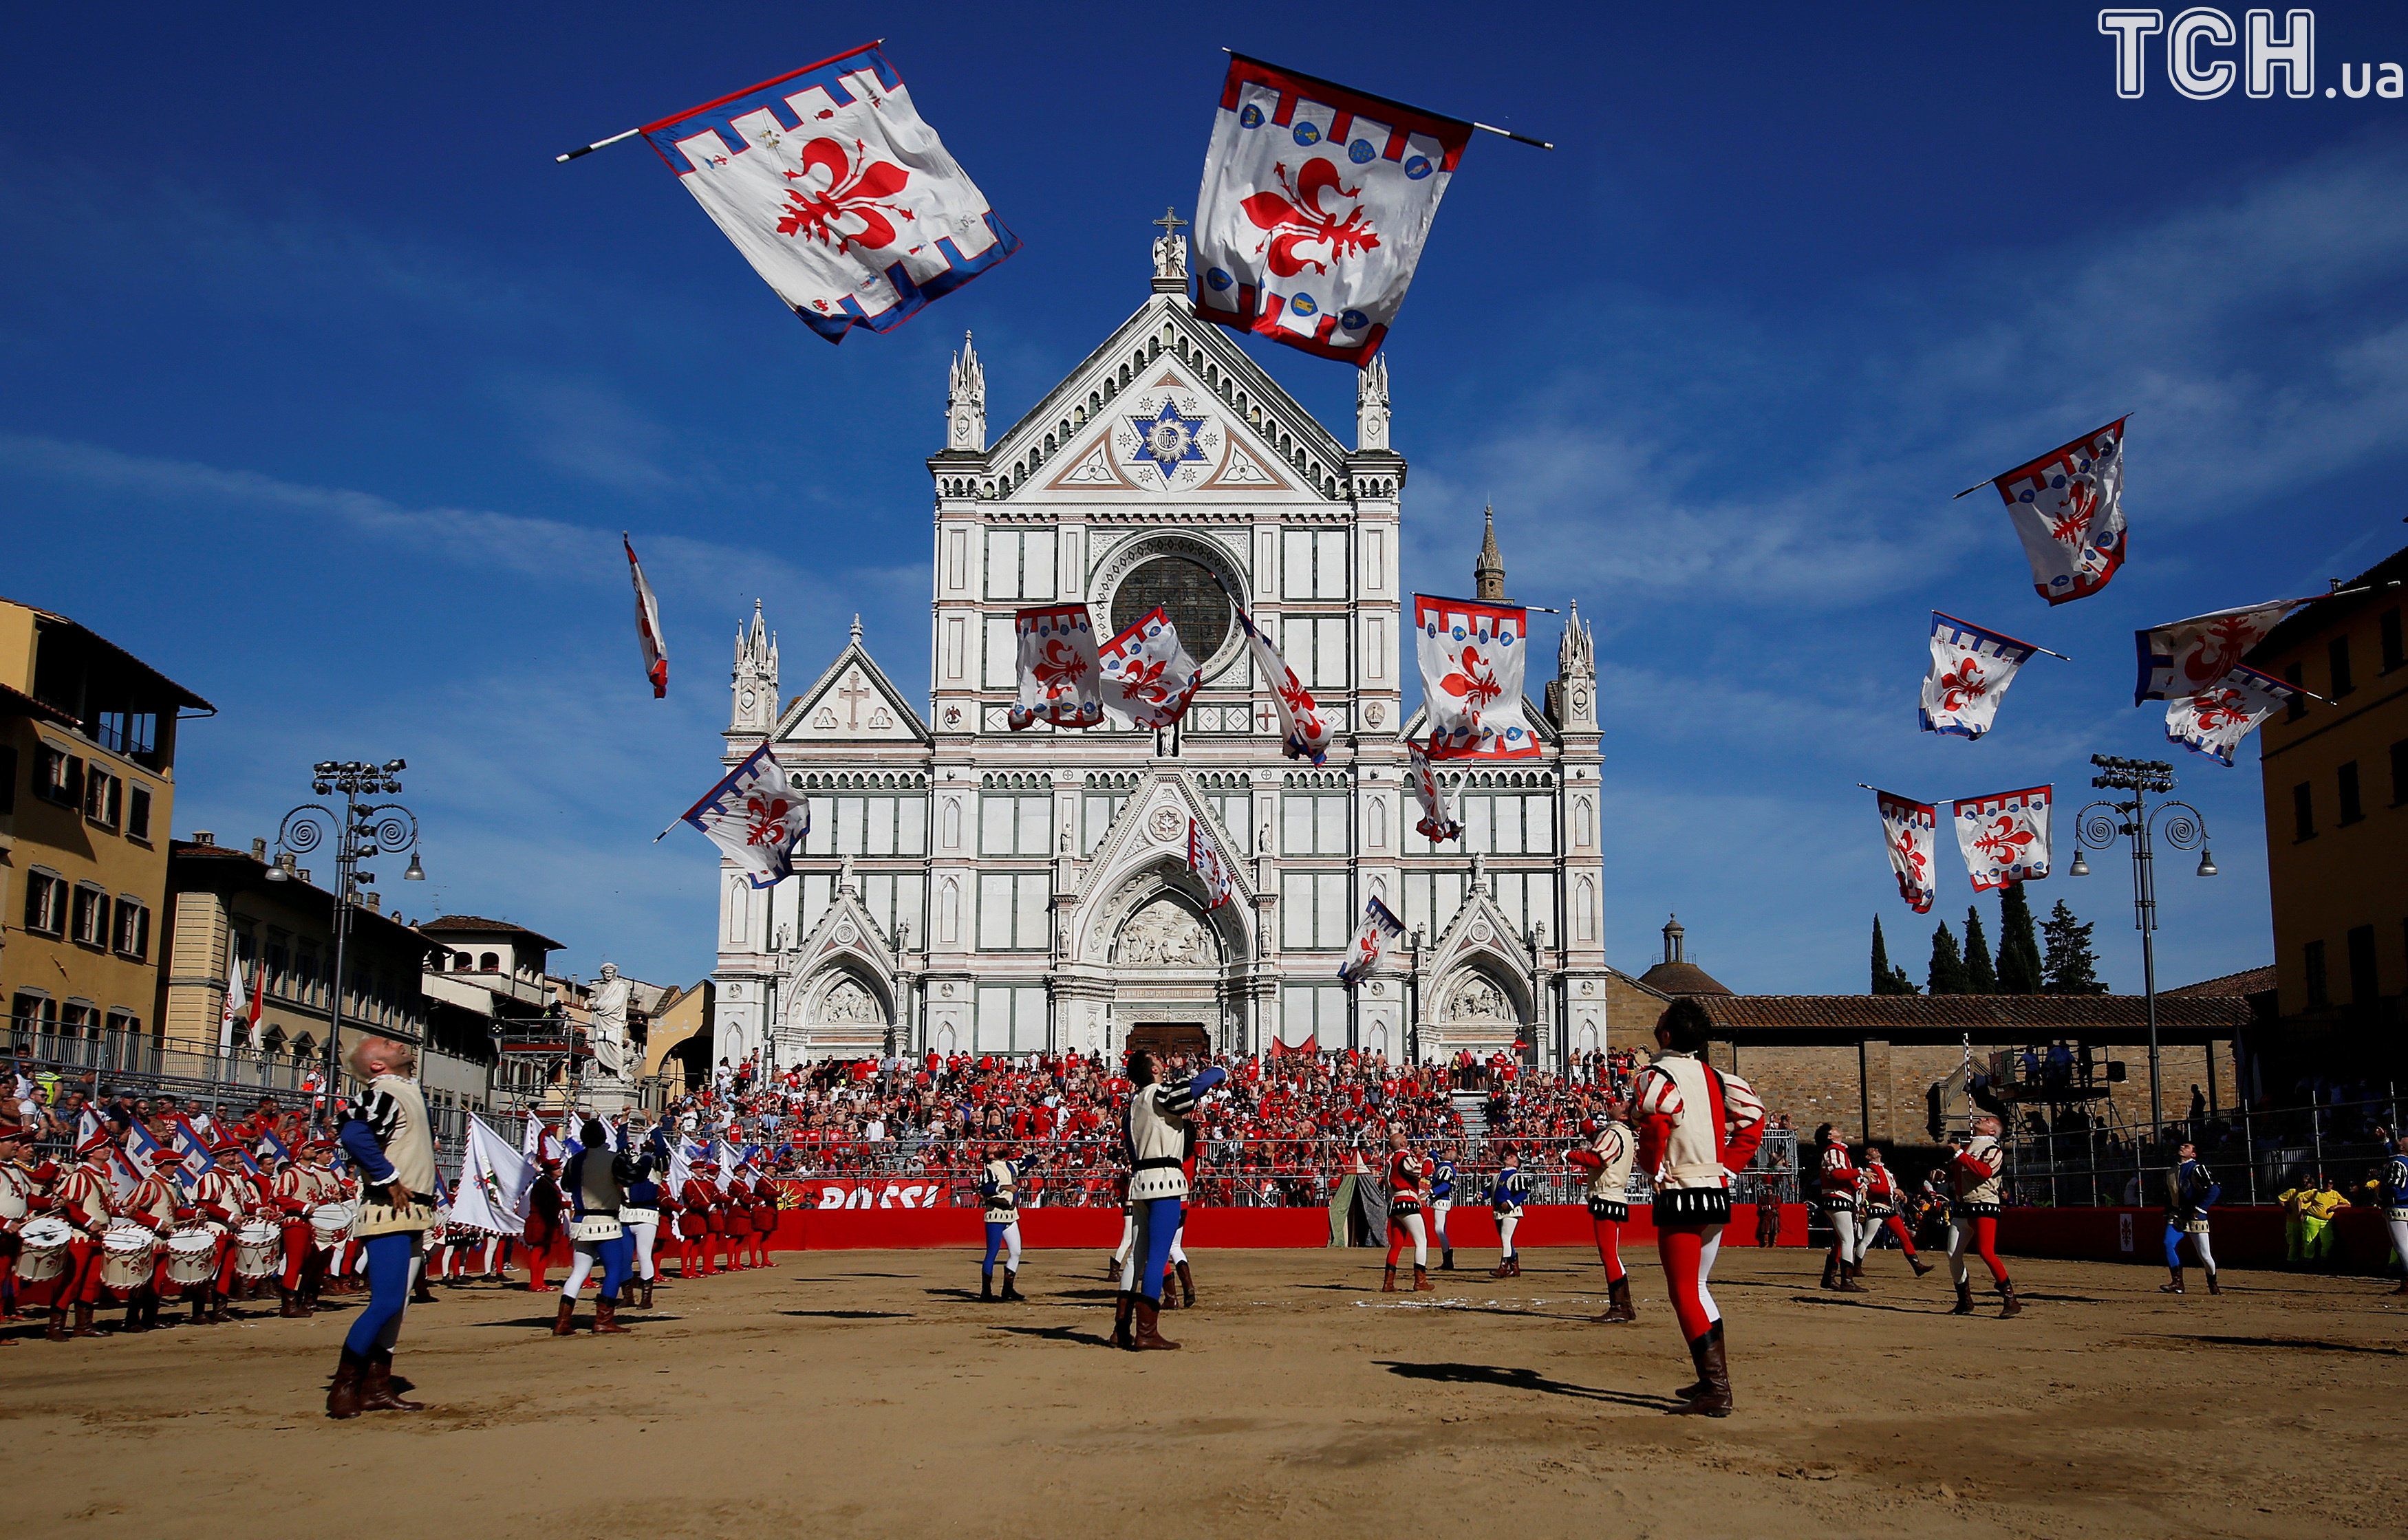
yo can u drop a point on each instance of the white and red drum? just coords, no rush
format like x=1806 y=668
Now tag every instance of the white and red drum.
x=191 y=1257
x=258 y=1250
x=44 y=1254
x=127 y=1254
x=330 y=1224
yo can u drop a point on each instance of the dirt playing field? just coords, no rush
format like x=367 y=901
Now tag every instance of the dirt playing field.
x=870 y=1394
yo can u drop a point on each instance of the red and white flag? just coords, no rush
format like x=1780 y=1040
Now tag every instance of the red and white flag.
x=2213 y=721
x=1148 y=677
x=1374 y=939
x=1061 y=675
x=2185 y=657
x=837 y=193
x=1435 y=825
x=2004 y=836
x=237 y=1004
x=647 y=624
x=1212 y=867
x=1472 y=654
x=1316 y=203
x=1907 y=829
x=1971 y=669
x=2068 y=510
x=1304 y=732
x=756 y=817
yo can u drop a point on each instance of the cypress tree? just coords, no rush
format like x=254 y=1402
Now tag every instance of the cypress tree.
x=1980 y=978
x=2071 y=967
x=1888 y=978
x=1947 y=976
x=2020 y=969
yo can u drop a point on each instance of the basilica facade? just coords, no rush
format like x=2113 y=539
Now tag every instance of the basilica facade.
x=966 y=886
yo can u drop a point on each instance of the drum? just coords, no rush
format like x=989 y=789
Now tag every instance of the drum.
x=125 y=1256
x=45 y=1253
x=191 y=1257
x=599 y=1227
x=330 y=1223
x=257 y=1250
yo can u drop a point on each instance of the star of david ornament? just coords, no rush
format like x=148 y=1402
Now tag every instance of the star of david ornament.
x=1169 y=440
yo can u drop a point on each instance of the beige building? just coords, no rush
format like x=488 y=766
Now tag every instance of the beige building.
x=87 y=787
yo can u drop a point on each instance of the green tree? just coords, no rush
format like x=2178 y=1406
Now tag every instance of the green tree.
x=2069 y=967
x=1888 y=978
x=1980 y=978
x=1947 y=976
x=2019 y=968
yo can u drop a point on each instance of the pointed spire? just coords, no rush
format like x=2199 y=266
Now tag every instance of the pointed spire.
x=1576 y=654
x=1372 y=404
x=1488 y=576
x=966 y=400
x=857 y=630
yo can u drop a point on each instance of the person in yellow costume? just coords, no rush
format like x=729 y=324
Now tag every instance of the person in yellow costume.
x=2291 y=1198
x=2316 y=1211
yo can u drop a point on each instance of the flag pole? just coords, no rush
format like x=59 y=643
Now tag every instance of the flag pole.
x=598 y=143
x=1979 y=485
x=1509 y=134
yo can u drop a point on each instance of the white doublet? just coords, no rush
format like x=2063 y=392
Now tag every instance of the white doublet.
x=1157 y=1130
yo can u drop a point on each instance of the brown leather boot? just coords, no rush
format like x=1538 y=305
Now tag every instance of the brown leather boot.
x=1713 y=1377
x=134 y=1321
x=606 y=1316
x=57 y=1330
x=200 y=1309
x=1422 y=1283
x=1186 y=1288
x=563 y=1321
x=1169 y=1295
x=379 y=1389
x=1388 y=1279
x=2176 y=1286
x=1011 y=1295
x=1504 y=1268
x=1964 y=1299
x=1849 y=1273
x=2212 y=1286
x=647 y=1302
x=217 y=1308
x=343 y=1395
x=1919 y=1265
x=2013 y=1306
x=1831 y=1269
x=1122 y=1306
x=1618 y=1307
x=83 y=1326
x=1149 y=1340
x=290 y=1308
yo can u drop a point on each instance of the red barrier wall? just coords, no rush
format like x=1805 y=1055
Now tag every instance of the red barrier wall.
x=2246 y=1235
x=1099 y=1229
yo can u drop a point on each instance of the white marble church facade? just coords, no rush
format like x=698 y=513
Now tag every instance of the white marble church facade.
x=967 y=887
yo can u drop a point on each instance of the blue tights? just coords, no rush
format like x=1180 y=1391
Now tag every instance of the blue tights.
x=1157 y=1226
x=379 y=1325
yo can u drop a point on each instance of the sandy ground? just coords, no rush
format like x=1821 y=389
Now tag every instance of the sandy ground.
x=869 y=1392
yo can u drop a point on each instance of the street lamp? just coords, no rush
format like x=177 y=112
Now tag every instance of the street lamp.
x=2097 y=826
x=360 y=830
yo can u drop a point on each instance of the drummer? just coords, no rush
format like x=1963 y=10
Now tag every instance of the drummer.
x=82 y=1197
x=223 y=1197
x=300 y=1189
x=157 y=1206
x=20 y=1187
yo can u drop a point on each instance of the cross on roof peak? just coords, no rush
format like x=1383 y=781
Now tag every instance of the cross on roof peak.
x=1171 y=221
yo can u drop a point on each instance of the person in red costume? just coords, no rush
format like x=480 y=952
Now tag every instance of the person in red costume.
x=544 y=1208
x=1882 y=1200
x=1697 y=1125
x=1837 y=1194
x=1610 y=1151
x=1974 y=1216
x=1408 y=1189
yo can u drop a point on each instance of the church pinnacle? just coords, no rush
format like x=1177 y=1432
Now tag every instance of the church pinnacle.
x=1489 y=573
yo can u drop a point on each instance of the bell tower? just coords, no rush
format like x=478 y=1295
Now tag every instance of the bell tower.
x=755 y=680
x=1488 y=573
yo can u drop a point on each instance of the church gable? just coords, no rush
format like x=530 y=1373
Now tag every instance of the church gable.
x=854 y=702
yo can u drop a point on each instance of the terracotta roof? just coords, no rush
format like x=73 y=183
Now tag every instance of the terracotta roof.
x=2247 y=981
x=2010 y=1016
x=183 y=696
x=1682 y=978
x=475 y=925
x=16 y=703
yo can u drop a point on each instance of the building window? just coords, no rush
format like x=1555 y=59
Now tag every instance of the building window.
x=45 y=903
x=2362 y=981
x=2303 y=811
x=1314 y=823
x=1011 y=1020
x=122 y=1020
x=895 y=902
x=103 y=798
x=58 y=776
x=1314 y=1013
x=1312 y=566
x=137 y=812
x=127 y=732
x=1314 y=646
x=132 y=936
x=2313 y=956
x=2337 y=654
x=2298 y=705
x=1012 y=825
x=2351 y=809
x=868 y=826
x=1313 y=911
x=33 y=1013
x=1011 y=911
x=1431 y=899
x=7 y=778
x=1236 y=811
x=88 y=919
x=490 y=962
x=1020 y=564
x=1527 y=898
x=80 y=1019
x=2392 y=654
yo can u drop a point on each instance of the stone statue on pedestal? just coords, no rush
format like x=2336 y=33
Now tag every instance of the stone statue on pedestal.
x=608 y=1036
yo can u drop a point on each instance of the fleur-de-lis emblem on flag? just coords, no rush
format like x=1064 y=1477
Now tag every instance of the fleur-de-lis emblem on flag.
x=839 y=197
x=1473 y=681
x=1960 y=686
x=1298 y=222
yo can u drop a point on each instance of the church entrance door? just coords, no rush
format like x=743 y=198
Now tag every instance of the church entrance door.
x=1163 y=1038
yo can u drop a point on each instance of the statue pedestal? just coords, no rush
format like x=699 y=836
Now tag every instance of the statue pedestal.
x=606 y=1094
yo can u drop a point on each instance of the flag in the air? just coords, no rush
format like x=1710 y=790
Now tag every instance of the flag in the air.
x=1148 y=677
x=1212 y=867
x=190 y=1146
x=254 y=1040
x=647 y=624
x=1316 y=203
x=1435 y=825
x=1907 y=829
x=271 y=1148
x=2068 y=508
x=496 y=1183
x=755 y=817
x=2185 y=657
x=1472 y=652
x=238 y=1005
x=1373 y=940
x=837 y=193
x=1971 y=669
x=2213 y=721
x=1061 y=675
x=1304 y=732
x=2004 y=836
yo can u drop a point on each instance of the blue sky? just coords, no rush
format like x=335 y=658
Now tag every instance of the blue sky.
x=329 y=393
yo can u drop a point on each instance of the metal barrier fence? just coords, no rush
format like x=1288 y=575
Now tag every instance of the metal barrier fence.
x=2256 y=1154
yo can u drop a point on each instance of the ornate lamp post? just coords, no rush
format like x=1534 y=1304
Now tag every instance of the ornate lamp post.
x=2096 y=827
x=363 y=828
